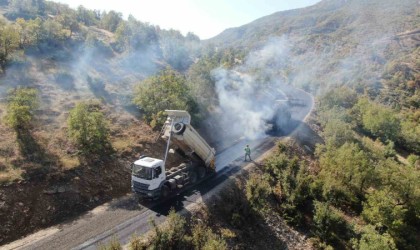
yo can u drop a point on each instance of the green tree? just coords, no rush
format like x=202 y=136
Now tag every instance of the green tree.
x=52 y=31
x=291 y=184
x=378 y=120
x=382 y=209
x=201 y=82
x=410 y=134
x=69 y=21
x=337 y=132
x=346 y=173
x=22 y=102
x=329 y=225
x=167 y=90
x=85 y=16
x=373 y=240
x=174 y=50
x=258 y=191
x=88 y=128
x=171 y=237
x=338 y=97
x=110 y=20
x=9 y=42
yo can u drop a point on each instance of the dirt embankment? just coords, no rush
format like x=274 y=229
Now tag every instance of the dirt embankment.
x=38 y=203
x=43 y=199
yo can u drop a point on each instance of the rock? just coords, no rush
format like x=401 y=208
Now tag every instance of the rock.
x=52 y=190
x=20 y=204
x=61 y=190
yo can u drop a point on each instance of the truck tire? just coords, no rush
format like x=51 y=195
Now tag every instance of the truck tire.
x=164 y=191
x=179 y=128
x=193 y=177
x=201 y=172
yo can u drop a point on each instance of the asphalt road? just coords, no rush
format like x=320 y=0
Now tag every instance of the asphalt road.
x=124 y=217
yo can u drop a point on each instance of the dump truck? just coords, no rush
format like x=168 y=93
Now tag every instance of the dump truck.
x=150 y=176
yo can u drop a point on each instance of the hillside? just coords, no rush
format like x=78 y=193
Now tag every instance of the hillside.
x=335 y=42
x=70 y=57
x=360 y=59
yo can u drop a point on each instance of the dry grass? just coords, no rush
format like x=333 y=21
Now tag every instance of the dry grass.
x=122 y=144
x=10 y=174
x=69 y=162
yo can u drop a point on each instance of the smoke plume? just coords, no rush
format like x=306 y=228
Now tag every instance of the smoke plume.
x=248 y=100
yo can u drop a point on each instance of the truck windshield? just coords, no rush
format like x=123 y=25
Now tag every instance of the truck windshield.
x=142 y=172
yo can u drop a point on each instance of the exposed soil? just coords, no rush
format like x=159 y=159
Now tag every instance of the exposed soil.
x=48 y=197
x=33 y=204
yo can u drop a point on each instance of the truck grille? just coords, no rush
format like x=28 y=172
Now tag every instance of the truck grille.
x=140 y=187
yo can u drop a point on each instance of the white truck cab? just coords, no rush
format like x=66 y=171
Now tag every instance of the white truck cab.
x=147 y=176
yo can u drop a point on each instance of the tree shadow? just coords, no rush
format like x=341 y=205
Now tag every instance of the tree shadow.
x=97 y=86
x=65 y=81
x=36 y=160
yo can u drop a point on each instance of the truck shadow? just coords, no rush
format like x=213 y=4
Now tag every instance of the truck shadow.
x=189 y=196
x=228 y=207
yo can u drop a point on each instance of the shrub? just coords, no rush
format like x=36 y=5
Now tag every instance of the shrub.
x=346 y=173
x=328 y=224
x=258 y=191
x=172 y=236
x=372 y=240
x=167 y=90
x=114 y=244
x=21 y=105
x=87 y=127
x=204 y=238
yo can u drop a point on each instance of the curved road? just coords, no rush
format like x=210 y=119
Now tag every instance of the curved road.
x=125 y=217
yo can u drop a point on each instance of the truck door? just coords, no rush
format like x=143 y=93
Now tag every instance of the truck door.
x=158 y=173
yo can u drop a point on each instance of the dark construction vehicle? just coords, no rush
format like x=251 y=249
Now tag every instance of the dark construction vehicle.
x=281 y=117
x=151 y=179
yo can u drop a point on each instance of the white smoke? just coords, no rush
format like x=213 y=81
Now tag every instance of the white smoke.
x=247 y=100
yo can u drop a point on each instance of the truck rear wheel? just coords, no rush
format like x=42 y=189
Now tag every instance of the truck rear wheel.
x=179 y=128
x=164 y=191
x=201 y=172
x=193 y=177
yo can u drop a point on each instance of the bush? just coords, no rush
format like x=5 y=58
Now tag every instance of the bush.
x=87 y=127
x=172 y=236
x=21 y=105
x=114 y=244
x=204 y=238
x=258 y=191
x=372 y=240
x=346 y=173
x=164 y=91
x=328 y=224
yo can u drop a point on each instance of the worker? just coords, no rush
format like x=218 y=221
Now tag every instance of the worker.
x=247 y=152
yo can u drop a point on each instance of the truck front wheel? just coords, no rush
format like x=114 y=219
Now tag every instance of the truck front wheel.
x=164 y=191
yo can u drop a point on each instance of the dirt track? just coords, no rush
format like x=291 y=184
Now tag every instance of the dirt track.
x=124 y=217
